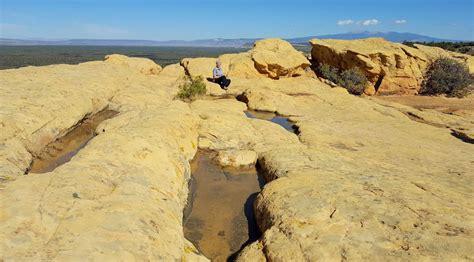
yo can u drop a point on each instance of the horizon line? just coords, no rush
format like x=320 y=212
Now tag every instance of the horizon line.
x=236 y=38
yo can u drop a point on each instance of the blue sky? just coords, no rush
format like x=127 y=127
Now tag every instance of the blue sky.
x=199 y=19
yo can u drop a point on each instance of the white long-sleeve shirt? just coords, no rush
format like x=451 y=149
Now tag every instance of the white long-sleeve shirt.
x=217 y=72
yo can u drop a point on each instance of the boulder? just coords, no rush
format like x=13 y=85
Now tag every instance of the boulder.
x=240 y=66
x=201 y=66
x=143 y=65
x=236 y=158
x=270 y=58
x=174 y=71
x=391 y=68
x=277 y=58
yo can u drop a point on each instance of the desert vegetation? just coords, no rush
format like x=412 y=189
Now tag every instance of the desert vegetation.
x=20 y=56
x=352 y=79
x=191 y=88
x=447 y=76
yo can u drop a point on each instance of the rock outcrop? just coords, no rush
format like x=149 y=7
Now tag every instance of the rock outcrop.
x=270 y=58
x=368 y=183
x=392 y=68
x=119 y=198
x=277 y=58
x=144 y=66
x=362 y=180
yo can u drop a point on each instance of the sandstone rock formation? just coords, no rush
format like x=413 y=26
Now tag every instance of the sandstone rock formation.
x=363 y=179
x=270 y=58
x=237 y=158
x=392 y=68
x=277 y=58
x=368 y=184
x=201 y=66
x=122 y=196
x=435 y=52
x=460 y=124
x=144 y=66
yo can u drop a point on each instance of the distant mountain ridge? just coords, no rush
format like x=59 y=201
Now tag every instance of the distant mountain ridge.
x=390 y=36
x=221 y=42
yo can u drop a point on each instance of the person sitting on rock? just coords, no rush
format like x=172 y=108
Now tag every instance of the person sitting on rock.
x=219 y=77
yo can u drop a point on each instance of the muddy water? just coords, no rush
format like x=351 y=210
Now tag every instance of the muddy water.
x=221 y=218
x=63 y=149
x=272 y=117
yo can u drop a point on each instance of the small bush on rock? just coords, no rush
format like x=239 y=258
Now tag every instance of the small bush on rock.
x=329 y=72
x=191 y=88
x=447 y=76
x=352 y=79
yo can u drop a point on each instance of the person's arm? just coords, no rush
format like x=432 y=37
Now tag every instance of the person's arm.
x=214 y=73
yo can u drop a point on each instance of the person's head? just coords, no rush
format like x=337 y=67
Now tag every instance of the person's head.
x=218 y=63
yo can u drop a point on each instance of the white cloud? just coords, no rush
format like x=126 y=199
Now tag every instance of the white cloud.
x=345 y=22
x=401 y=21
x=367 y=22
x=370 y=22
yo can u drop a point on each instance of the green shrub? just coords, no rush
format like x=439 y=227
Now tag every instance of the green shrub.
x=446 y=76
x=191 y=88
x=352 y=79
x=329 y=72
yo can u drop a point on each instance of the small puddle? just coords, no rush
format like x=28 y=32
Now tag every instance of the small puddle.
x=219 y=219
x=63 y=149
x=272 y=117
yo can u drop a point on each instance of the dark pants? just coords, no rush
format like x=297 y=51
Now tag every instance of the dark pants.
x=223 y=82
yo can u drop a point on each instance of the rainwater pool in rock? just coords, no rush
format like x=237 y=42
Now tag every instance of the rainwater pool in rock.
x=220 y=219
x=272 y=117
x=63 y=149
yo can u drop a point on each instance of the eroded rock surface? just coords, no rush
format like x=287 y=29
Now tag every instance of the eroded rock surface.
x=270 y=58
x=459 y=121
x=362 y=180
x=371 y=184
x=144 y=66
x=392 y=68
x=237 y=158
x=277 y=58
x=119 y=198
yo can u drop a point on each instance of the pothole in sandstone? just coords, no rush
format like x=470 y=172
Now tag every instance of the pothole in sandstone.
x=219 y=219
x=272 y=117
x=63 y=149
